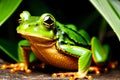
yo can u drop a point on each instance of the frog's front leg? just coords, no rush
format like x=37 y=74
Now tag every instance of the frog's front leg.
x=23 y=53
x=84 y=60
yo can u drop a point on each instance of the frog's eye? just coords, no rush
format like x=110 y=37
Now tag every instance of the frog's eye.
x=48 y=21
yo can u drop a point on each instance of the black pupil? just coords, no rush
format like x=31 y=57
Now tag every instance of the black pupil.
x=48 y=20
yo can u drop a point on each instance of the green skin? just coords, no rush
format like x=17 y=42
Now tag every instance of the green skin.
x=74 y=42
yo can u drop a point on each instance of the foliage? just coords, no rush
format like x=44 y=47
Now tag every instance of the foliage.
x=7 y=7
x=110 y=10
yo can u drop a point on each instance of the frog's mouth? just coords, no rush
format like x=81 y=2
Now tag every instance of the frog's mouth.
x=38 y=39
x=25 y=33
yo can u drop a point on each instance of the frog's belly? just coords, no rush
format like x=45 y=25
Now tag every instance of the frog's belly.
x=50 y=55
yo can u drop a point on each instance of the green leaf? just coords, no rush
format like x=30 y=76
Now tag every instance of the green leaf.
x=7 y=7
x=110 y=10
x=115 y=4
x=9 y=48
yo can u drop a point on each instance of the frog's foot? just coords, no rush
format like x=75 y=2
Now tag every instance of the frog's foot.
x=112 y=64
x=16 y=67
x=72 y=75
x=97 y=70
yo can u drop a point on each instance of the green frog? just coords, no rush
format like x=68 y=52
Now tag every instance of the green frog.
x=59 y=45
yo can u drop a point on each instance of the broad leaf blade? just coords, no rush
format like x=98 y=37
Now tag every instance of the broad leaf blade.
x=9 y=48
x=7 y=7
x=108 y=12
x=116 y=6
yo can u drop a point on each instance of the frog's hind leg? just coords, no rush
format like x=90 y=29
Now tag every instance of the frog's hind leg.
x=84 y=61
x=100 y=55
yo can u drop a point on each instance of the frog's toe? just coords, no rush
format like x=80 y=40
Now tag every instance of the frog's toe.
x=16 y=67
x=112 y=64
x=94 y=69
x=72 y=75
x=97 y=70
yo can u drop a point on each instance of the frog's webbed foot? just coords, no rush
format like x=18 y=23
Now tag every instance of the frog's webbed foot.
x=72 y=75
x=97 y=70
x=16 y=67
x=112 y=64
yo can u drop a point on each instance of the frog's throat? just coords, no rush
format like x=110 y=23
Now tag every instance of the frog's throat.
x=45 y=50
